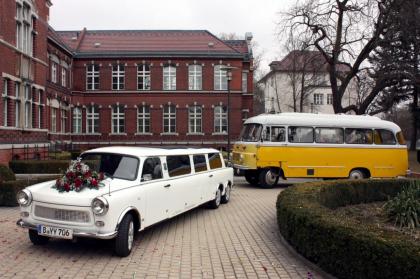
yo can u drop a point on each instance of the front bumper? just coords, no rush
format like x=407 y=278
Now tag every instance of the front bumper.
x=241 y=167
x=27 y=225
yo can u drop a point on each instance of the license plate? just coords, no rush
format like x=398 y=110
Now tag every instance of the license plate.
x=55 y=232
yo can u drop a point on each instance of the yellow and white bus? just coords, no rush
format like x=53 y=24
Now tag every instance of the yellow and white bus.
x=304 y=145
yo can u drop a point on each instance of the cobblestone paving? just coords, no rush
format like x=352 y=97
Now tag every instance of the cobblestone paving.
x=238 y=240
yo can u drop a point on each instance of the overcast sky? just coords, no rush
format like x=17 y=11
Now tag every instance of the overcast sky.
x=217 y=16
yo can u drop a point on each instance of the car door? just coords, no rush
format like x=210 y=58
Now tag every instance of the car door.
x=156 y=191
x=201 y=179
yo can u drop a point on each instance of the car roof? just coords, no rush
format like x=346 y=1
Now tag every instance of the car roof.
x=150 y=151
x=323 y=120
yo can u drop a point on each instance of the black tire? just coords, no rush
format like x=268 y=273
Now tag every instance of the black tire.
x=226 y=196
x=37 y=239
x=251 y=177
x=125 y=237
x=357 y=174
x=214 y=204
x=267 y=179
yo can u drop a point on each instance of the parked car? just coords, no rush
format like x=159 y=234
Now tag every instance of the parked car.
x=112 y=192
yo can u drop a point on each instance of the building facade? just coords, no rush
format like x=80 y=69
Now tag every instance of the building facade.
x=300 y=83
x=116 y=87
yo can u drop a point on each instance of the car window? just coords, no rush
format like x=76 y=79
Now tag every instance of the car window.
x=215 y=161
x=384 y=137
x=358 y=136
x=178 y=165
x=278 y=134
x=200 y=163
x=152 y=169
x=329 y=135
x=301 y=134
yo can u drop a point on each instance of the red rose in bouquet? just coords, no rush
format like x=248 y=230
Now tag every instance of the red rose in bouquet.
x=66 y=187
x=78 y=182
x=94 y=182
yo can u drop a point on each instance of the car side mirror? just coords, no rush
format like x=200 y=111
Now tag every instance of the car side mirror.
x=146 y=177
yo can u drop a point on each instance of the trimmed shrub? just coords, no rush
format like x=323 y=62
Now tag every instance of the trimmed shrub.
x=9 y=189
x=60 y=155
x=345 y=247
x=6 y=174
x=47 y=166
x=74 y=154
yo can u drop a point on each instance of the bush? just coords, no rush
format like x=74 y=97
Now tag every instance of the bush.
x=6 y=174
x=404 y=209
x=9 y=189
x=39 y=167
x=74 y=154
x=60 y=155
x=344 y=247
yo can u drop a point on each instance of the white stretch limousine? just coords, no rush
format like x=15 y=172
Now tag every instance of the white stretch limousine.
x=113 y=192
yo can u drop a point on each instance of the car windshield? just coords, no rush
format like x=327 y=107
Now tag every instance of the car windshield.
x=112 y=165
x=251 y=132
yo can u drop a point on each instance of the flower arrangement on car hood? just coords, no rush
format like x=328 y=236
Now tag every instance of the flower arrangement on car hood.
x=77 y=177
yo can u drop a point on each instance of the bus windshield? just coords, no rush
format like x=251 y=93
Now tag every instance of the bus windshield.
x=251 y=132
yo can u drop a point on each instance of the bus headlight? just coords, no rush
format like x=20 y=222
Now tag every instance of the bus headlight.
x=24 y=197
x=100 y=206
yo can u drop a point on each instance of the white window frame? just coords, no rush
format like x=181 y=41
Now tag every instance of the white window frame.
x=169 y=114
x=329 y=99
x=169 y=77
x=195 y=77
x=195 y=119
x=28 y=106
x=143 y=72
x=17 y=104
x=118 y=114
x=244 y=82
x=143 y=117
x=63 y=114
x=118 y=72
x=220 y=114
x=318 y=99
x=53 y=120
x=77 y=120
x=53 y=72
x=220 y=78
x=92 y=72
x=5 y=102
x=63 y=77
x=92 y=117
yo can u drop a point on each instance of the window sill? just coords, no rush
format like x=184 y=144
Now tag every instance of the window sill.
x=91 y=134
x=10 y=128
x=195 y=134
x=219 y=134
x=143 y=134
x=169 y=134
x=117 y=134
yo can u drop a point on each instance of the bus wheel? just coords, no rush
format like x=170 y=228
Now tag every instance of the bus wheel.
x=356 y=174
x=251 y=177
x=268 y=179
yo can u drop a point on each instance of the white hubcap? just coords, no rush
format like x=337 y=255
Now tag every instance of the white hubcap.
x=130 y=235
x=270 y=179
x=227 y=194
x=356 y=175
x=218 y=196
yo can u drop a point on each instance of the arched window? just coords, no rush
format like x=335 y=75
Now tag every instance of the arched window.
x=77 y=120
x=92 y=119
x=118 y=77
x=118 y=119
x=220 y=78
x=220 y=119
x=169 y=119
x=143 y=77
x=143 y=119
x=195 y=119
x=169 y=78
x=195 y=77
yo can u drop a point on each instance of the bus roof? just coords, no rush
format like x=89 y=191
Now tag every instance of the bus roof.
x=323 y=120
x=148 y=151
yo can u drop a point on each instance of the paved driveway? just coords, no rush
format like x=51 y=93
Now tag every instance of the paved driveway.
x=240 y=239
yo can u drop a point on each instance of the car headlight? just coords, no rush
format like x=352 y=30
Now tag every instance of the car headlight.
x=24 y=197
x=100 y=206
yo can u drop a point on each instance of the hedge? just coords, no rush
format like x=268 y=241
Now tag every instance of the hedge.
x=9 y=189
x=6 y=174
x=47 y=166
x=345 y=247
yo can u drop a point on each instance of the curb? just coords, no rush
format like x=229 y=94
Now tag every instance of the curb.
x=307 y=262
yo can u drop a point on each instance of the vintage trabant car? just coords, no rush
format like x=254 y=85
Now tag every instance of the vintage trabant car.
x=112 y=192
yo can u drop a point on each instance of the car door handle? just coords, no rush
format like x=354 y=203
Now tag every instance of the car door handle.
x=167 y=185
x=210 y=175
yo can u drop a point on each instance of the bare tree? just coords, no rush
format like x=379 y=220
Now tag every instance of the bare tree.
x=345 y=32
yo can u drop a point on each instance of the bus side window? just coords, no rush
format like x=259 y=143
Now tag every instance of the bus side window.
x=278 y=134
x=266 y=134
x=384 y=137
x=301 y=134
x=358 y=136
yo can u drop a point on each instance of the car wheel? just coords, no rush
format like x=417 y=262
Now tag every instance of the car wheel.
x=356 y=174
x=125 y=237
x=214 y=204
x=251 y=177
x=37 y=239
x=268 y=179
x=226 y=196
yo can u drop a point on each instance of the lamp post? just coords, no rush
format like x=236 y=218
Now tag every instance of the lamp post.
x=228 y=70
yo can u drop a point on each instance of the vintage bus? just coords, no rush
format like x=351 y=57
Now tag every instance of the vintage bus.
x=304 y=145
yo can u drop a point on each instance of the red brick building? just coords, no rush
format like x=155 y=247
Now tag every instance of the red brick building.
x=115 y=87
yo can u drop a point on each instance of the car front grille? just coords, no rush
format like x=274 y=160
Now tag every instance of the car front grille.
x=76 y=216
